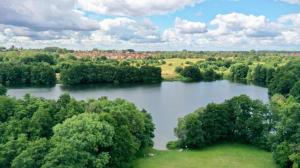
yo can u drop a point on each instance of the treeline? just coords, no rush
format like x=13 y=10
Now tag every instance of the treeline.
x=243 y=120
x=286 y=80
x=36 y=132
x=87 y=73
x=21 y=74
x=283 y=80
x=39 y=68
x=39 y=57
x=260 y=75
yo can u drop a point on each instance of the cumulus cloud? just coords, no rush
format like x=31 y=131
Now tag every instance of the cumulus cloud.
x=239 y=31
x=237 y=22
x=14 y=31
x=32 y=23
x=44 y=15
x=293 y=19
x=134 y=7
x=184 y=31
x=126 y=29
x=292 y=1
x=189 y=27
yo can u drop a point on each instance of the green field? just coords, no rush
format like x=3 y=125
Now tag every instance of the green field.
x=220 y=156
x=168 y=69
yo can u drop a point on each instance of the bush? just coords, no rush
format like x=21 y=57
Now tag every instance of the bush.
x=173 y=145
x=210 y=75
x=281 y=155
x=192 y=73
x=239 y=72
x=178 y=69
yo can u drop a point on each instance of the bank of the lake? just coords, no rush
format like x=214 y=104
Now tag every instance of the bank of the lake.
x=221 y=156
x=166 y=102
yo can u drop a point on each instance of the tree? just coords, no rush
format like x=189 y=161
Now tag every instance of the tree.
x=210 y=75
x=281 y=155
x=20 y=74
x=3 y=90
x=39 y=57
x=287 y=138
x=41 y=123
x=215 y=123
x=97 y=73
x=43 y=74
x=7 y=108
x=190 y=132
x=33 y=155
x=295 y=91
x=133 y=129
x=260 y=75
x=282 y=83
x=239 y=72
x=252 y=121
x=239 y=119
x=270 y=75
x=11 y=149
x=80 y=141
x=285 y=78
x=97 y=133
x=150 y=74
x=66 y=155
x=192 y=73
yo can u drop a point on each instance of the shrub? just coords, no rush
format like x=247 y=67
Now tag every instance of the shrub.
x=192 y=73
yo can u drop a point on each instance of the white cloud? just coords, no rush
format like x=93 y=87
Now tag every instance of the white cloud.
x=44 y=15
x=126 y=29
x=237 y=31
x=134 y=7
x=292 y=1
x=293 y=19
x=31 y=23
x=237 y=22
x=189 y=27
x=291 y=37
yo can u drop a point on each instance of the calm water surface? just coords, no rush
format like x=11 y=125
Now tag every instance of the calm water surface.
x=166 y=101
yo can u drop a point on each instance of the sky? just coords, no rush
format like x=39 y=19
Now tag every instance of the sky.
x=197 y=25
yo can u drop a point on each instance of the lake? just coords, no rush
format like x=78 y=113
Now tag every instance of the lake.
x=166 y=101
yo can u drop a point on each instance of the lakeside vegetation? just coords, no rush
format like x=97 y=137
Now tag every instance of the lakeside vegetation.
x=89 y=73
x=36 y=132
x=37 y=67
x=101 y=133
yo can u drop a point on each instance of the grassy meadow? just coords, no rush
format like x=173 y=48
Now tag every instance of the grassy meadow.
x=168 y=69
x=219 y=156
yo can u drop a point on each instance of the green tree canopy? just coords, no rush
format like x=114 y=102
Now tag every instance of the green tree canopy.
x=3 y=90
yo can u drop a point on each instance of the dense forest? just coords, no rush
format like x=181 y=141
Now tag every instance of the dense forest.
x=94 y=73
x=36 y=132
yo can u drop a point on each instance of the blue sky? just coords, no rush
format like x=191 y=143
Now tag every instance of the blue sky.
x=207 y=10
x=152 y=24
